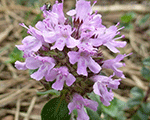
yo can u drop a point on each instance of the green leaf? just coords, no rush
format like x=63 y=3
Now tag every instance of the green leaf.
x=115 y=109
x=126 y=18
x=144 y=19
x=127 y=26
x=133 y=102
x=92 y=114
x=16 y=55
x=96 y=98
x=145 y=73
x=140 y=116
x=137 y=93
x=55 y=109
x=146 y=108
x=137 y=98
x=146 y=61
x=52 y=92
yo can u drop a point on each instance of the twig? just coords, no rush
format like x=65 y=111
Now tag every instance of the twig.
x=124 y=8
x=34 y=117
x=12 y=97
x=4 y=34
x=138 y=82
x=120 y=97
x=30 y=108
x=18 y=109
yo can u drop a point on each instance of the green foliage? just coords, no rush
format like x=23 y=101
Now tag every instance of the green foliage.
x=55 y=109
x=137 y=98
x=96 y=98
x=144 y=19
x=92 y=114
x=115 y=109
x=146 y=61
x=52 y=92
x=27 y=2
x=140 y=115
x=145 y=71
x=16 y=55
x=128 y=17
x=36 y=19
x=126 y=20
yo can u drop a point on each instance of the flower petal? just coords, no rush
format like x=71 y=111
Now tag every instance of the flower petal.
x=51 y=75
x=91 y=104
x=20 y=65
x=93 y=66
x=82 y=115
x=73 y=57
x=59 y=44
x=81 y=70
x=58 y=85
x=38 y=75
x=32 y=63
x=71 y=12
x=70 y=79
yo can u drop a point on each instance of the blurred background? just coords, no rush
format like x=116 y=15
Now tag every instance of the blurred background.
x=18 y=92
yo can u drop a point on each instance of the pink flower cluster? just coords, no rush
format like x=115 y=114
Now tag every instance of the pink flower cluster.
x=55 y=45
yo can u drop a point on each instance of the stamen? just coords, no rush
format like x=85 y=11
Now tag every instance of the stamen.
x=121 y=28
x=119 y=37
x=117 y=24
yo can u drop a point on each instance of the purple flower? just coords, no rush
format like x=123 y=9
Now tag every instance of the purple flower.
x=43 y=64
x=82 y=10
x=106 y=38
x=34 y=42
x=61 y=36
x=58 y=9
x=92 y=23
x=84 y=59
x=61 y=75
x=100 y=87
x=114 y=64
x=78 y=102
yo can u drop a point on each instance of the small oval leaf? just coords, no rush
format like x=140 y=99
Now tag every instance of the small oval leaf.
x=55 y=109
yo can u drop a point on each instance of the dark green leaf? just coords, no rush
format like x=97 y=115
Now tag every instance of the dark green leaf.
x=133 y=102
x=55 y=109
x=92 y=114
x=140 y=116
x=52 y=92
x=146 y=108
x=146 y=61
x=145 y=73
x=137 y=93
